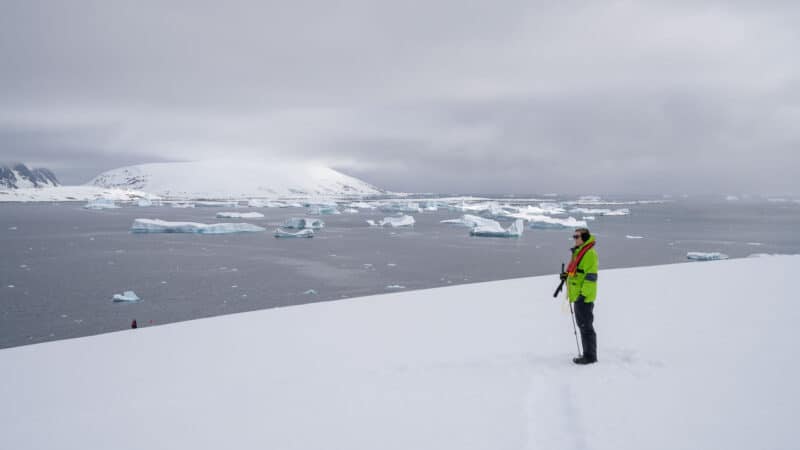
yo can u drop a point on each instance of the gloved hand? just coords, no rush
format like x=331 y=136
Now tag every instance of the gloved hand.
x=563 y=276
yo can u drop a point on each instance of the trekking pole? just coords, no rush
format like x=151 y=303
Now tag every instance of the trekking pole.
x=571 y=312
x=574 y=329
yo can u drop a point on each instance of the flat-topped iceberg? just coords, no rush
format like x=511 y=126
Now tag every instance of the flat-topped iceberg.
x=469 y=220
x=394 y=222
x=304 y=233
x=162 y=226
x=546 y=222
x=494 y=229
x=237 y=215
x=101 y=203
x=323 y=209
x=302 y=223
x=706 y=256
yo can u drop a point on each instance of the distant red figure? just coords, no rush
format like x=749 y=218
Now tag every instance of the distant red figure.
x=133 y=324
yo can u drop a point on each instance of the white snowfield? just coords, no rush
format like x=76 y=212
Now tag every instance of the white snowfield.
x=234 y=179
x=709 y=363
x=163 y=226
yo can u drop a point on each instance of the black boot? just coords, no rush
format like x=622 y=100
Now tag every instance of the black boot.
x=583 y=360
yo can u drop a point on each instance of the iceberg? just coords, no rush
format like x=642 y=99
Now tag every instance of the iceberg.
x=235 y=215
x=710 y=256
x=394 y=222
x=101 y=203
x=351 y=211
x=469 y=220
x=144 y=203
x=126 y=297
x=496 y=230
x=546 y=222
x=162 y=226
x=302 y=222
x=183 y=205
x=304 y=233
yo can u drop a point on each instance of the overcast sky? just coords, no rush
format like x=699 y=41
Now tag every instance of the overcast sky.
x=446 y=96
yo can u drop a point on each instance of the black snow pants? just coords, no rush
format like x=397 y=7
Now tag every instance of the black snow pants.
x=584 y=316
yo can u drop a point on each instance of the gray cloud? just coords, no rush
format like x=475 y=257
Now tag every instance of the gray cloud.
x=417 y=96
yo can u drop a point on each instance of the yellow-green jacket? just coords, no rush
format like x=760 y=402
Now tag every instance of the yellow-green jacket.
x=584 y=281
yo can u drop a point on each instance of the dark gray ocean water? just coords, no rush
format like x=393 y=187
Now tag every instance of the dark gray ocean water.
x=61 y=264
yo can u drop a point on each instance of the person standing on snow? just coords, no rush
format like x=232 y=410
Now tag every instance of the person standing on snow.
x=581 y=279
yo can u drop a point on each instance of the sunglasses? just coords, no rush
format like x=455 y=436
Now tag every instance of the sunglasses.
x=576 y=236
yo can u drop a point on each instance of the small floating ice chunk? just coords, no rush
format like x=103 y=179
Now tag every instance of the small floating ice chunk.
x=351 y=211
x=732 y=198
x=101 y=203
x=162 y=226
x=304 y=233
x=401 y=207
x=589 y=218
x=630 y=236
x=546 y=222
x=12 y=228
x=395 y=286
x=11 y=286
x=258 y=203
x=144 y=203
x=710 y=256
x=183 y=205
x=754 y=243
x=127 y=296
x=310 y=292
x=496 y=230
x=237 y=215
x=300 y=223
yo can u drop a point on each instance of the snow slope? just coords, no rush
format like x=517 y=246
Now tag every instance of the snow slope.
x=68 y=193
x=225 y=179
x=705 y=360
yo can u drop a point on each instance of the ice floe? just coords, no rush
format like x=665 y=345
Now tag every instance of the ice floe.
x=496 y=230
x=401 y=207
x=183 y=205
x=126 y=297
x=631 y=236
x=707 y=256
x=101 y=203
x=300 y=223
x=162 y=226
x=237 y=215
x=394 y=222
x=259 y=203
x=304 y=233
x=323 y=209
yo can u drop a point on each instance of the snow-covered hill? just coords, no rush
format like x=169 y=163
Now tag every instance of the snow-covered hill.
x=692 y=356
x=20 y=176
x=226 y=179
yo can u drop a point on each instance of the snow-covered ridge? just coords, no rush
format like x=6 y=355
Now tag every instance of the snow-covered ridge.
x=487 y=366
x=20 y=176
x=235 y=179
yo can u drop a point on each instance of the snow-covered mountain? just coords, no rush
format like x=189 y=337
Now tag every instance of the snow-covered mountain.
x=20 y=176
x=217 y=179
